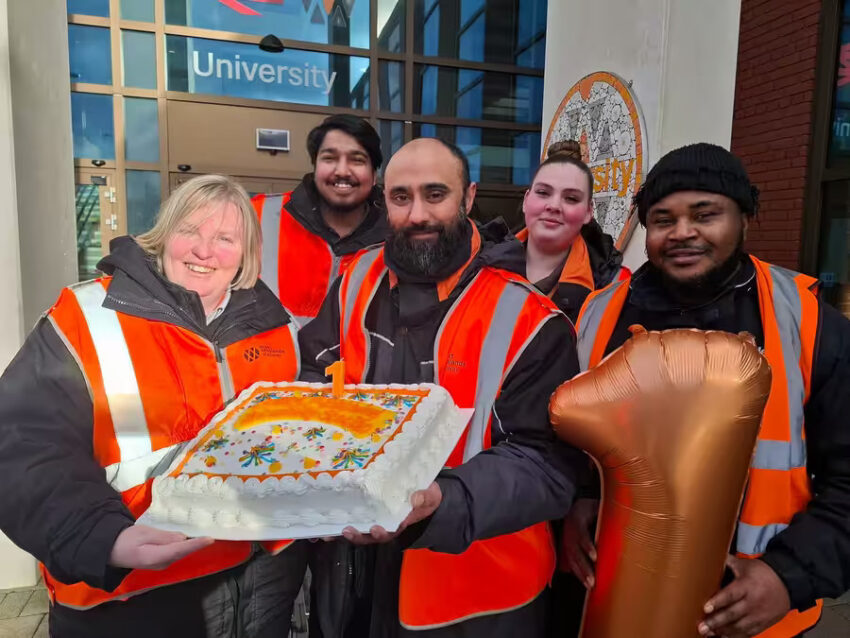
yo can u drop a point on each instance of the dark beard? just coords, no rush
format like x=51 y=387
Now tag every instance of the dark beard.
x=426 y=258
x=705 y=288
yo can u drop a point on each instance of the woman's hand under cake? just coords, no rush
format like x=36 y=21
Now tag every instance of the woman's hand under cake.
x=143 y=547
x=425 y=503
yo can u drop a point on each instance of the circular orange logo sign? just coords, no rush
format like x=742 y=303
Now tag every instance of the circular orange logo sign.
x=600 y=111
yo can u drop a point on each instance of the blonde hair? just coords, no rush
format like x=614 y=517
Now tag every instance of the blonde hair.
x=195 y=194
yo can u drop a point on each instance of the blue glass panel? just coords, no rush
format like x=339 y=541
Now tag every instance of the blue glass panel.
x=140 y=10
x=143 y=198
x=839 y=146
x=391 y=86
x=499 y=31
x=431 y=33
x=391 y=25
x=89 y=54
x=89 y=7
x=468 y=8
x=141 y=130
x=92 y=126
x=500 y=96
x=470 y=94
x=392 y=137
x=215 y=67
x=428 y=102
x=346 y=23
x=526 y=157
x=472 y=41
x=139 y=59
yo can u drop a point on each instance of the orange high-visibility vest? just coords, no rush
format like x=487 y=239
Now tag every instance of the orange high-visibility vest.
x=480 y=339
x=154 y=385
x=297 y=265
x=778 y=485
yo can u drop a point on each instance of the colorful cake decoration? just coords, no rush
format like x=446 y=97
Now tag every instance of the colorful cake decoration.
x=348 y=458
x=257 y=455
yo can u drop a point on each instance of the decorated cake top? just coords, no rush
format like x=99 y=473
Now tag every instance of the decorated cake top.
x=300 y=430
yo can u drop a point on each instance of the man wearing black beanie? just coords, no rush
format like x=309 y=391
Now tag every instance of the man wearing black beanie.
x=792 y=543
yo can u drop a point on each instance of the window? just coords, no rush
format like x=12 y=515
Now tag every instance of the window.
x=90 y=54
x=143 y=198
x=138 y=59
x=141 y=130
x=346 y=23
x=392 y=137
x=391 y=25
x=391 y=75
x=89 y=7
x=216 y=67
x=139 y=10
x=92 y=126
x=488 y=95
x=498 y=31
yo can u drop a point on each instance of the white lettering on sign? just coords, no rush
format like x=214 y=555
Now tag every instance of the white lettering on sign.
x=236 y=68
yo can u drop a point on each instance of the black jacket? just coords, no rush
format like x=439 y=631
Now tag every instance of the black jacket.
x=526 y=477
x=303 y=205
x=605 y=264
x=55 y=502
x=811 y=556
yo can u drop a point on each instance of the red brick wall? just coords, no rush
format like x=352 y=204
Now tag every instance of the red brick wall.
x=772 y=123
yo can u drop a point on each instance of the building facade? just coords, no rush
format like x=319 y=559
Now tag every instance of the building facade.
x=165 y=89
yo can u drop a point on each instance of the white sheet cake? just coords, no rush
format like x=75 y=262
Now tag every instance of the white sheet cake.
x=289 y=460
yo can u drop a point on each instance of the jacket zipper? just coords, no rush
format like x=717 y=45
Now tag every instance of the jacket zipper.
x=224 y=377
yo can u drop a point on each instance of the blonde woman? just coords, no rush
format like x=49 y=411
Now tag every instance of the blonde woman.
x=112 y=379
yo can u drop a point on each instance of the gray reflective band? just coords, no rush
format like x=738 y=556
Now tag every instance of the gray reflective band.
x=128 y=474
x=753 y=539
x=778 y=455
x=590 y=321
x=270 y=224
x=116 y=367
x=491 y=364
x=300 y=322
x=787 y=307
x=356 y=277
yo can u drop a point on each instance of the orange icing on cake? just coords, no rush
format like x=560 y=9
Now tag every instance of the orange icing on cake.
x=361 y=419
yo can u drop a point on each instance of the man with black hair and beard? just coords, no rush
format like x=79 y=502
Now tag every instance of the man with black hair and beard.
x=792 y=542
x=438 y=303
x=312 y=233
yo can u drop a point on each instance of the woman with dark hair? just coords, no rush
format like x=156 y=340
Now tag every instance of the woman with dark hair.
x=567 y=254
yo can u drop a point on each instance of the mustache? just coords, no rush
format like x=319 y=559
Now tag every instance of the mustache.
x=423 y=228
x=685 y=246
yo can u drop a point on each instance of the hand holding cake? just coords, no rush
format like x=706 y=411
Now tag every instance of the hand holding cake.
x=425 y=503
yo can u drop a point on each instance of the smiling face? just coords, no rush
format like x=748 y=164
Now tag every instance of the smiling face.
x=556 y=206
x=692 y=234
x=204 y=252
x=426 y=204
x=343 y=174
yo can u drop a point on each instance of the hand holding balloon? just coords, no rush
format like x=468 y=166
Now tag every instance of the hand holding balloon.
x=751 y=603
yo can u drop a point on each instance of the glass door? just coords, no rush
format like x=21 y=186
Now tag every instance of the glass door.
x=97 y=218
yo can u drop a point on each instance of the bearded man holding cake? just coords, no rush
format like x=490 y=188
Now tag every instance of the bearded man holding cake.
x=440 y=304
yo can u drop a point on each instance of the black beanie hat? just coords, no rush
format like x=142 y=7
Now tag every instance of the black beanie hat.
x=697 y=167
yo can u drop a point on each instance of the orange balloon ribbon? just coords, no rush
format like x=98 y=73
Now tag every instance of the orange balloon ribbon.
x=671 y=420
x=337 y=370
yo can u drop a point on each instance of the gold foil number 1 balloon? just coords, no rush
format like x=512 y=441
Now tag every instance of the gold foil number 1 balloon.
x=671 y=420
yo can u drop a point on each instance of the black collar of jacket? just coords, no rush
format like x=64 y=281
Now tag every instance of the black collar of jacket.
x=648 y=292
x=303 y=205
x=138 y=289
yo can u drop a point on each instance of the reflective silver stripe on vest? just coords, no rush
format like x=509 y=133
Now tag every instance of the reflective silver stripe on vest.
x=356 y=276
x=491 y=361
x=128 y=474
x=590 y=321
x=781 y=455
x=753 y=539
x=270 y=225
x=119 y=377
x=293 y=332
